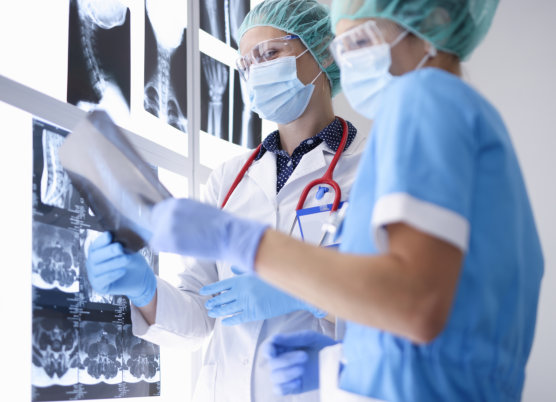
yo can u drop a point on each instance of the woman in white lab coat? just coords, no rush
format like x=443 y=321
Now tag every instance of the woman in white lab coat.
x=291 y=78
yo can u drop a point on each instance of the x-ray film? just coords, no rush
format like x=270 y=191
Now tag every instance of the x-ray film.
x=116 y=182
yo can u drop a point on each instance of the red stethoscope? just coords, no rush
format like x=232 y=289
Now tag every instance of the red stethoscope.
x=325 y=179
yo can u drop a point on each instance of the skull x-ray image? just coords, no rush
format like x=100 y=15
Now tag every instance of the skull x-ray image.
x=165 y=61
x=225 y=105
x=55 y=258
x=99 y=70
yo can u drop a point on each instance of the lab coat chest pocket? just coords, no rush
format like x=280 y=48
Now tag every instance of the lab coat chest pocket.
x=204 y=389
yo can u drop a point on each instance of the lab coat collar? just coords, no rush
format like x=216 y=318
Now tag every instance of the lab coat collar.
x=263 y=174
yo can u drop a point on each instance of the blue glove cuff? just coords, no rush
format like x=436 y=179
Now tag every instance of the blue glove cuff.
x=243 y=237
x=147 y=296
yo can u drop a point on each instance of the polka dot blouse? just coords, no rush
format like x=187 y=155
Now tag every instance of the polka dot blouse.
x=285 y=165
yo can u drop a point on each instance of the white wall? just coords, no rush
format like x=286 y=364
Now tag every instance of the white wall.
x=515 y=68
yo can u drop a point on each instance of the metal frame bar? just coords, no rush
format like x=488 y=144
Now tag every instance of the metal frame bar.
x=66 y=116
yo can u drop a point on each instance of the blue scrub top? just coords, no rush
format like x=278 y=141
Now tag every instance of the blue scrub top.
x=440 y=158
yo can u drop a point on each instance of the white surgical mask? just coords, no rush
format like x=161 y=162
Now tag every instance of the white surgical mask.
x=365 y=73
x=275 y=92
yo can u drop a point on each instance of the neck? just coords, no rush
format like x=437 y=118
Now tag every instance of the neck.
x=317 y=116
x=447 y=62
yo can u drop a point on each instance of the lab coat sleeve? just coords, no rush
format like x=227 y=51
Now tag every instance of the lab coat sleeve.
x=425 y=145
x=181 y=316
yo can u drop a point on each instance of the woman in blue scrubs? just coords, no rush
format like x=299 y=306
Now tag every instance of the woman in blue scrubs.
x=441 y=263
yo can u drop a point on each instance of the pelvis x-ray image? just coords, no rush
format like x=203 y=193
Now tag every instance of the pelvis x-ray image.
x=225 y=106
x=55 y=258
x=55 y=351
x=99 y=56
x=165 y=61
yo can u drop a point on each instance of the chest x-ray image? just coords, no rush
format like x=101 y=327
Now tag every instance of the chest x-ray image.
x=165 y=61
x=99 y=56
x=225 y=106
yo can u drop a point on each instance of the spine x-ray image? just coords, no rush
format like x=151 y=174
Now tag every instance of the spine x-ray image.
x=165 y=61
x=225 y=106
x=99 y=70
x=82 y=347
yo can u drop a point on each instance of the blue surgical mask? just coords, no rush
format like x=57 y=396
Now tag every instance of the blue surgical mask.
x=275 y=92
x=365 y=73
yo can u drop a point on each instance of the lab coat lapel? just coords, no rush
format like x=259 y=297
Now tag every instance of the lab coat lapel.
x=263 y=173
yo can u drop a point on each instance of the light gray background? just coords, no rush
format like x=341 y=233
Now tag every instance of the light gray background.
x=514 y=68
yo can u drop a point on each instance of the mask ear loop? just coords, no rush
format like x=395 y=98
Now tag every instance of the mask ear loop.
x=399 y=38
x=431 y=53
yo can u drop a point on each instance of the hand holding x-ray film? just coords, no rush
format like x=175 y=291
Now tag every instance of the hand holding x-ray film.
x=119 y=186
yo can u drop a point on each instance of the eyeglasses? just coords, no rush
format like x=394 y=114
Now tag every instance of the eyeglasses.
x=265 y=51
x=364 y=35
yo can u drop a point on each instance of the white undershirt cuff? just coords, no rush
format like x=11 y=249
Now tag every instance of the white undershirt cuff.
x=425 y=216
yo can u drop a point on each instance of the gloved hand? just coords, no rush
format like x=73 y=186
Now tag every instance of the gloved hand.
x=247 y=298
x=112 y=271
x=188 y=227
x=294 y=360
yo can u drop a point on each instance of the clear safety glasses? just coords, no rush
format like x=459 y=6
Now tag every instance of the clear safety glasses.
x=265 y=51
x=364 y=35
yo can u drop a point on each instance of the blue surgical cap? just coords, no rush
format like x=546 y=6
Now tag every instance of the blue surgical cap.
x=454 y=26
x=307 y=19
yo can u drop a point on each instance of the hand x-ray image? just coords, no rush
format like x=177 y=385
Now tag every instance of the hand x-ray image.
x=225 y=105
x=165 y=61
x=99 y=71
x=222 y=18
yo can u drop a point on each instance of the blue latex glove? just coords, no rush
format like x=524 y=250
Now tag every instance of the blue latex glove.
x=294 y=360
x=113 y=271
x=188 y=227
x=247 y=298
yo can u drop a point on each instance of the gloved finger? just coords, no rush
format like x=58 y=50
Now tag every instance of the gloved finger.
x=225 y=310
x=237 y=271
x=299 y=339
x=272 y=350
x=217 y=287
x=106 y=253
x=102 y=240
x=117 y=263
x=294 y=358
x=222 y=298
x=101 y=282
x=292 y=387
x=287 y=374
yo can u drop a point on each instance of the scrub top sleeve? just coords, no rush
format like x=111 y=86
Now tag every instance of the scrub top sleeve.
x=424 y=158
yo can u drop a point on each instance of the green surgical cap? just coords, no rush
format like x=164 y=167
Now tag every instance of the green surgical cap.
x=307 y=19
x=455 y=26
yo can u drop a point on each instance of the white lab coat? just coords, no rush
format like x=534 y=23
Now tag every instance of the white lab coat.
x=233 y=368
